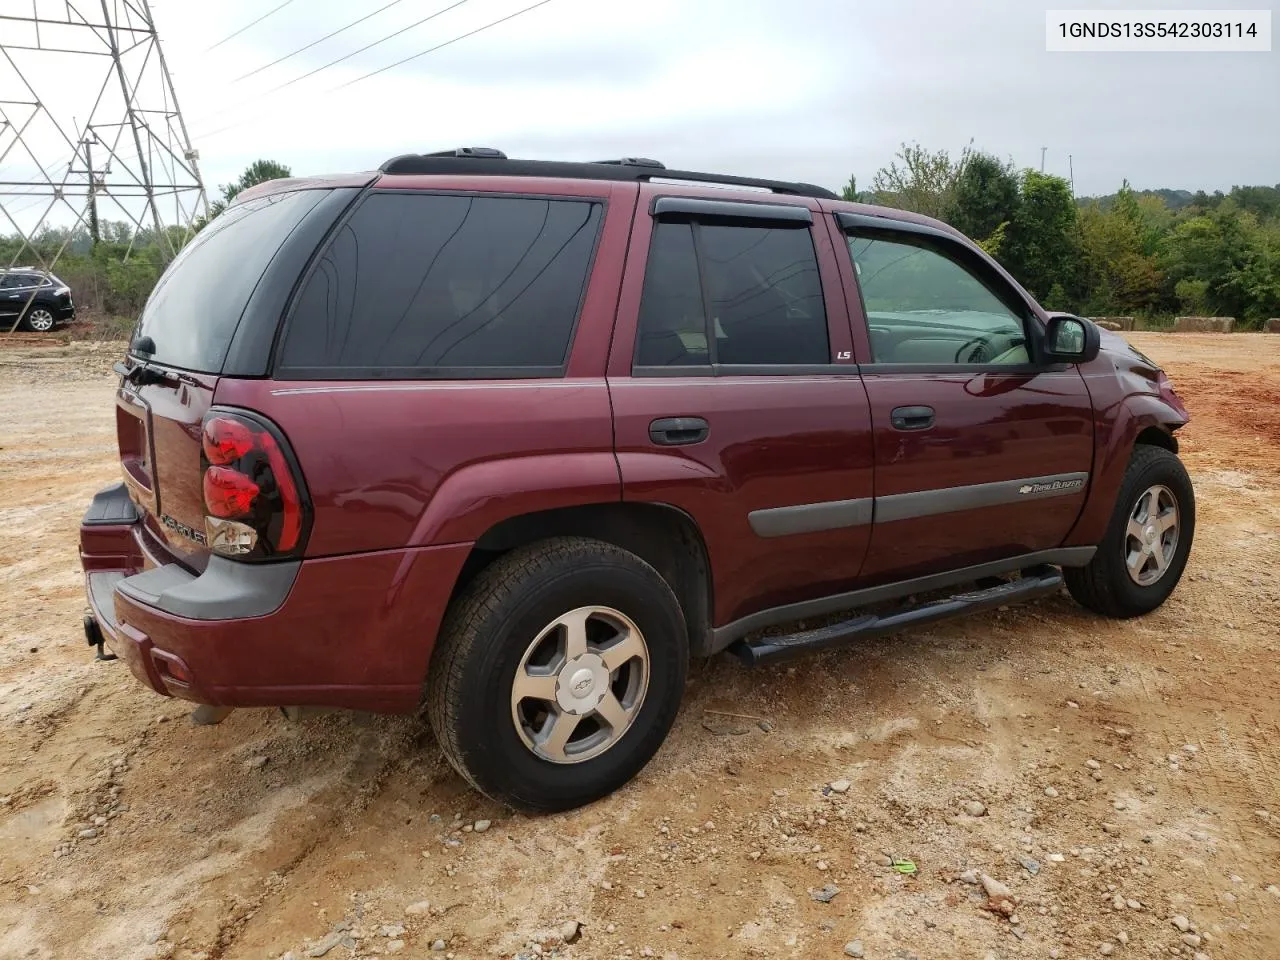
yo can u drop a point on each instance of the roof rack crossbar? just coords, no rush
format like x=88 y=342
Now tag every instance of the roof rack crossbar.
x=485 y=161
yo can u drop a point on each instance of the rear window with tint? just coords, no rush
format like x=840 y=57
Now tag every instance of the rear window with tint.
x=444 y=285
x=195 y=308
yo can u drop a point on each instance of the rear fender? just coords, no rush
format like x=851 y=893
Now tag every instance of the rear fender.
x=481 y=495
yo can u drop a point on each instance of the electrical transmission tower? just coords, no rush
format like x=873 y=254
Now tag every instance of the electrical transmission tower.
x=90 y=128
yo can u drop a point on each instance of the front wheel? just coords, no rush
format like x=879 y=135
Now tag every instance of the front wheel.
x=558 y=673
x=1144 y=551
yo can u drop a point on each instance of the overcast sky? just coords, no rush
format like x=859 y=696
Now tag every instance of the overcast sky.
x=805 y=89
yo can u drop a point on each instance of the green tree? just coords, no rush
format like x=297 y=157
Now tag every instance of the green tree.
x=919 y=180
x=850 y=191
x=985 y=196
x=1042 y=243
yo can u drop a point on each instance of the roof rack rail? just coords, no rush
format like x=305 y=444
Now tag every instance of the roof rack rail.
x=486 y=161
x=489 y=153
x=636 y=162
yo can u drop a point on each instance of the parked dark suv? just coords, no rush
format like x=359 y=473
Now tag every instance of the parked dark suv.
x=34 y=300
x=519 y=438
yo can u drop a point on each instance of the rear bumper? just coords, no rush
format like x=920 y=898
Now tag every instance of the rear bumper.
x=353 y=631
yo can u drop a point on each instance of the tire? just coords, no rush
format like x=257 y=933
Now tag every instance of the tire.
x=1108 y=585
x=500 y=629
x=39 y=319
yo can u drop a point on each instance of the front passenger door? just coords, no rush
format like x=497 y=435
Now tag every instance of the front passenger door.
x=982 y=453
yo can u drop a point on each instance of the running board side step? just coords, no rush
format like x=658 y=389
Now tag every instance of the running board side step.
x=1034 y=582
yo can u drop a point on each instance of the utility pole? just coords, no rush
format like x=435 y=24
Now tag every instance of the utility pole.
x=133 y=128
x=94 y=231
x=1042 y=150
x=1071 y=172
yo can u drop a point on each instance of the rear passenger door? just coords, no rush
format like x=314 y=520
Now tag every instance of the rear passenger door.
x=735 y=398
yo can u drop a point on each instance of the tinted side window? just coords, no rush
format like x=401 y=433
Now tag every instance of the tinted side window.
x=760 y=284
x=423 y=283
x=673 y=323
x=924 y=307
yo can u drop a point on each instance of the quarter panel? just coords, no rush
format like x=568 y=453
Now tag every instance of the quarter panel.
x=375 y=455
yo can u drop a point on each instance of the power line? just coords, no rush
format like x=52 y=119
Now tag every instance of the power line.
x=252 y=23
x=327 y=36
x=438 y=46
x=348 y=56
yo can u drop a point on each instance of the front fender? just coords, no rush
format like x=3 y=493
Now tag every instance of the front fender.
x=1117 y=427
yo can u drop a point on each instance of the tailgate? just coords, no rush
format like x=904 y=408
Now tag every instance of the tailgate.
x=158 y=430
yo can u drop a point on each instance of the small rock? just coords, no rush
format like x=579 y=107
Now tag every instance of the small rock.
x=975 y=809
x=826 y=894
x=391 y=930
x=439 y=946
x=1273 y=890
x=969 y=876
x=1181 y=922
x=1093 y=764
x=1199 y=836
x=1191 y=939
x=854 y=949
x=611 y=929
x=1050 y=792
x=639 y=894
x=840 y=786
x=1133 y=904
x=87 y=834
x=419 y=909
x=1123 y=938
x=1057 y=858
x=395 y=946
x=482 y=825
x=1106 y=949
x=569 y=931
x=1031 y=866
x=994 y=888
x=327 y=944
x=255 y=763
x=1110 y=828
x=822 y=865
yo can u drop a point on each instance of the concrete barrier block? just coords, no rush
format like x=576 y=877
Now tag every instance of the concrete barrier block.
x=1272 y=325
x=1114 y=323
x=1203 y=324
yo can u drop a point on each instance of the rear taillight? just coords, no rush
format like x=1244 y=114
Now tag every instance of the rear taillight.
x=254 y=497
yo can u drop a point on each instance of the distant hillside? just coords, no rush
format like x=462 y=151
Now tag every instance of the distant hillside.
x=1173 y=199
x=1264 y=201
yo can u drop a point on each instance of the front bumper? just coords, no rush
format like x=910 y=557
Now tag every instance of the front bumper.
x=353 y=631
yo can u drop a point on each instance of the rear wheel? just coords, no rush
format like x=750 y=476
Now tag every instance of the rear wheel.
x=39 y=319
x=1141 y=558
x=558 y=673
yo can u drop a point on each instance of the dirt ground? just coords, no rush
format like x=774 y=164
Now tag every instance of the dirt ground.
x=1129 y=771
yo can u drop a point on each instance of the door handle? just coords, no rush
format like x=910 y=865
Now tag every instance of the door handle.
x=678 y=431
x=912 y=418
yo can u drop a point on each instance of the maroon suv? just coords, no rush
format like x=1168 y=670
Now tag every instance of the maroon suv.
x=518 y=439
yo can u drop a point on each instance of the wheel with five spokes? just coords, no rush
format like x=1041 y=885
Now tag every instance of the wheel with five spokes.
x=558 y=672
x=1145 y=549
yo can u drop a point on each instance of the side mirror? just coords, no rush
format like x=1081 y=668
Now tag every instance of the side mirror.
x=1071 y=339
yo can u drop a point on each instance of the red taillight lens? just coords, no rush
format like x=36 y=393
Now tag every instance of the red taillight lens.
x=225 y=440
x=228 y=493
x=255 y=501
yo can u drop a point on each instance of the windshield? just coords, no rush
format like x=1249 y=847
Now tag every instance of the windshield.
x=193 y=312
